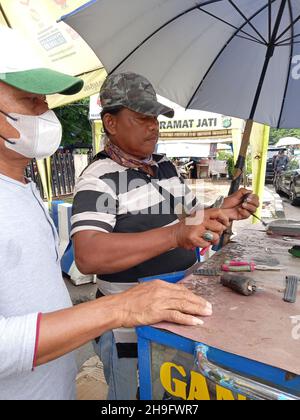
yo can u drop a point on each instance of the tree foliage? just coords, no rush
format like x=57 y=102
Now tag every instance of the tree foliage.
x=75 y=121
x=277 y=134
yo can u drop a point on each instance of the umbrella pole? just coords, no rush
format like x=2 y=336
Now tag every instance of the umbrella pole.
x=238 y=174
x=246 y=138
x=240 y=164
x=4 y=16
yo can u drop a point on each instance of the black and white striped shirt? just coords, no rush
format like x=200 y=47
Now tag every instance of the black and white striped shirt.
x=111 y=198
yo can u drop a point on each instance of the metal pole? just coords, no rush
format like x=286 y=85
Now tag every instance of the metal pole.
x=246 y=138
x=240 y=164
x=4 y=16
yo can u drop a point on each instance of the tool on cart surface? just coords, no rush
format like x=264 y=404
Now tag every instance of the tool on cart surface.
x=245 y=266
x=291 y=290
x=295 y=251
x=284 y=227
x=243 y=285
x=209 y=272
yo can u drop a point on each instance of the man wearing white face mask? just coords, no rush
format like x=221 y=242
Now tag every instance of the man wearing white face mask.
x=40 y=136
x=38 y=327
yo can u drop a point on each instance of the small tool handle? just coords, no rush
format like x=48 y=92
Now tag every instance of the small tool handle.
x=291 y=290
x=239 y=268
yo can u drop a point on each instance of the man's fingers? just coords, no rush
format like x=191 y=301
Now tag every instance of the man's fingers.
x=215 y=226
x=191 y=298
x=249 y=207
x=182 y=319
x=181 y=293
x=222 y=217
x=191 y=308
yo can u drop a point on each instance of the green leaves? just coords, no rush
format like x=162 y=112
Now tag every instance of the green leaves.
x=75 y=121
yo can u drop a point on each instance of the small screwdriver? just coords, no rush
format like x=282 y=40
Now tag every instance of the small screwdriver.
x=254 y=215
x=258 y=218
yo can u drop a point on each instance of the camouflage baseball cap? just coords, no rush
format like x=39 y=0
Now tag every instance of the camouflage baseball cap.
x=132 y=91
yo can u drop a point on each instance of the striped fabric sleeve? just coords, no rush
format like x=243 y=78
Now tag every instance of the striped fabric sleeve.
x=95 y=205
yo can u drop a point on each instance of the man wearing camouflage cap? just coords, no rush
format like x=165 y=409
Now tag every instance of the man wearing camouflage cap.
x=126 y=214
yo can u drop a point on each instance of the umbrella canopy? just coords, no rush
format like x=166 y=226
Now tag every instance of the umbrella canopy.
x=288 y=141
x=236 y=57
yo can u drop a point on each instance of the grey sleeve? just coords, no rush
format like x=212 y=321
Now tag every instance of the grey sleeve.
x=17 y=344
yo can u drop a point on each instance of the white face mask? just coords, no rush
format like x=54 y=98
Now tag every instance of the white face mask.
x=40 y=136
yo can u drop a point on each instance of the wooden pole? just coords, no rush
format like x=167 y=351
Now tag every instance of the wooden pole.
x=238 y=173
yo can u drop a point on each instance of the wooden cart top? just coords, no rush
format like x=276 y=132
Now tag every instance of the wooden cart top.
x=261 y=327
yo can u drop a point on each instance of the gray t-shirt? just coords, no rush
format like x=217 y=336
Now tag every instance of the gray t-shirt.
x=30 y=283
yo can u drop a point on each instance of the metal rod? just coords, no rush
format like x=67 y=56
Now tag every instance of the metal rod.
x=223 y=49
x=269 y=55
x=5 y=16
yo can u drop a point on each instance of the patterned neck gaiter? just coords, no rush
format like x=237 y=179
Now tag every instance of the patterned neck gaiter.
x=125 y=159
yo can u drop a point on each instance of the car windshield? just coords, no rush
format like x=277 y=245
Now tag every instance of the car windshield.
x=272 y=153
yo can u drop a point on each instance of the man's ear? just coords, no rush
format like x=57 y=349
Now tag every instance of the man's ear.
x=110 y=123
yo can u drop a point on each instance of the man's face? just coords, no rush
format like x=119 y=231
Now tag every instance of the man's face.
x=134 y=133
x=13 y=100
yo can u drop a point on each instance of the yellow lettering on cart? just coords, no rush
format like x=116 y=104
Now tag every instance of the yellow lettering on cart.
x=224 y=394
x=174 y=387
x=198 y=389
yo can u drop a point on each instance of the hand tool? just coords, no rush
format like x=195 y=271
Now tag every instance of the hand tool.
x=291 y=290
x=204 y=251
x=207 y=272
x=244 y=266
x=243 y=285
x=254 y=215
x=238 y=266
x=258 y=218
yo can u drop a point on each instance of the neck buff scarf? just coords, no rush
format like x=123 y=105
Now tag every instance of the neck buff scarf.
x=129 y=161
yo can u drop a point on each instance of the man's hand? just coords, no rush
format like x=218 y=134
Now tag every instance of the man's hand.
x=190 y=231
x=156 y=301
x=238 y=206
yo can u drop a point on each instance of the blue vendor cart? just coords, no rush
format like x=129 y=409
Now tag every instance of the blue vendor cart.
x=249 y=348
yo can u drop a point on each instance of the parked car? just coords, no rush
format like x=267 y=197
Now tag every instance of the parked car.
x=289 y=181
x=272 y=152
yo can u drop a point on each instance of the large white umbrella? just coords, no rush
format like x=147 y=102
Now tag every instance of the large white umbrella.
x=233 y=57
x=288 y=141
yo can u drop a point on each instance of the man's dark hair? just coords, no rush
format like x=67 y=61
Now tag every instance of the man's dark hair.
x=112 y=111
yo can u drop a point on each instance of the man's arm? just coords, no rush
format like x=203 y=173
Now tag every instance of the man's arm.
x=64 y=331
x=17 y=343
x=98 y=252
x=25 y=343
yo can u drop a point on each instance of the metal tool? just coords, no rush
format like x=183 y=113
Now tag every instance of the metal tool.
x=291 y=290
x=238 y=266
x=243 y=285
x=245 y=266
x=254 y=215
x=258 y=218
x=209 y=272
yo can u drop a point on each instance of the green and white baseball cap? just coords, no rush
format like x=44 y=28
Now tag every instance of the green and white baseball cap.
x=21 y=68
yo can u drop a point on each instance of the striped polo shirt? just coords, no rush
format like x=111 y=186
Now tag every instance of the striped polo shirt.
x=112 y=198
